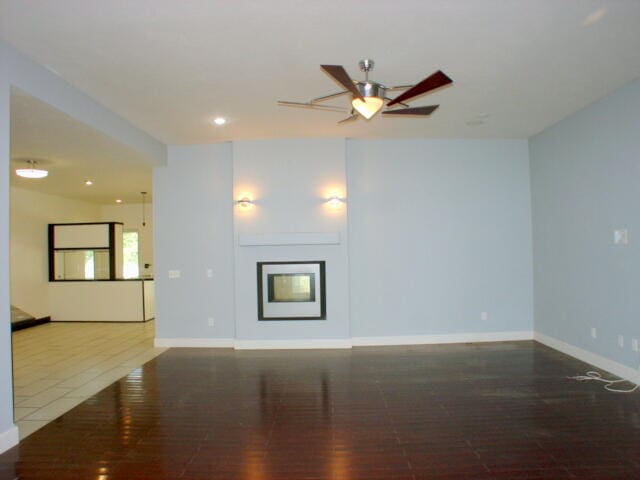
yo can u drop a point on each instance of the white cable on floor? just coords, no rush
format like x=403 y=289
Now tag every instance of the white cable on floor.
x=596 y=376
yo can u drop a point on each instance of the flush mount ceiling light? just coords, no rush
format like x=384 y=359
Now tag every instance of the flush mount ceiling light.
x=219 y=121
x=118 y=200
x=368 y=97
x=88 y=182
x=31 y=171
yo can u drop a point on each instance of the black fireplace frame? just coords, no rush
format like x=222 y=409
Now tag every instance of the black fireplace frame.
x=322 y=282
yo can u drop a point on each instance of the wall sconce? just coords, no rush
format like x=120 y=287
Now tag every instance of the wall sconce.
x=335 y=201
x=245 y=202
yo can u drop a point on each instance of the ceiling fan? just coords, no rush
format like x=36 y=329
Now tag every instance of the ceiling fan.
x=368 y=97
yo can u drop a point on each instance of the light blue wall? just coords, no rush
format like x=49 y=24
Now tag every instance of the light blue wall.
x=290 y=181
x=193 y=231
x=585 y=177
x=6 y=394
x=440 y=231
x=433 y=233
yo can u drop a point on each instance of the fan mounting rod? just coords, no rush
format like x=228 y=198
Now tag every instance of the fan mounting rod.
x=366 y=66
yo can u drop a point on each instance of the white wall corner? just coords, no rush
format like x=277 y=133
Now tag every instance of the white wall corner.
x=45 y=85
x=193 y=342
x=9 y=438
x=444 y=338
x=320 y=343
x=603 y=363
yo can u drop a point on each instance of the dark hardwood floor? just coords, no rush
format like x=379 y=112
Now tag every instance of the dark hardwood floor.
x=482 y=411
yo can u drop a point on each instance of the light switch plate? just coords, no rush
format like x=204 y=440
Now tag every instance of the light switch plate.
x=621 y=341
x=209 y=272
x=174 y=273
x=594 y=332
x=621 y=237
x=634 y=344
x=484 y=316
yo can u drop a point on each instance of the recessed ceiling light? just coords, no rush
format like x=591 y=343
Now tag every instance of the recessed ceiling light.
x=88 y=182
x=118 y=201
x=478 y=119
x=219 y=121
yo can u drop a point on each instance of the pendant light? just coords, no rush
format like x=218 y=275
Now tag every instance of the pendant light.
x=144 y=196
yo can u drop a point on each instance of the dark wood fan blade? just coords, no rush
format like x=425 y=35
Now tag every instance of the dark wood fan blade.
x=437 y=80
x=340 y=75
x=424 y=111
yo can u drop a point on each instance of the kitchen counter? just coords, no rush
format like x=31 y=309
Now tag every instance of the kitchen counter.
x=125 y=300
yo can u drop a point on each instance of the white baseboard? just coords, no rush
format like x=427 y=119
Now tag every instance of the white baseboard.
x=326 y=343
x=443 y=338
x=193 y=342
x=9 y=438
x=293 y=344
x=594 y=359
x=251 y=344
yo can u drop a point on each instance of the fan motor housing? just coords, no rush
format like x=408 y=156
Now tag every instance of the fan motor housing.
x=372 y=89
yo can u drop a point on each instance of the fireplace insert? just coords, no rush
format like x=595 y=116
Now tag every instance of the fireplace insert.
x=291 y=290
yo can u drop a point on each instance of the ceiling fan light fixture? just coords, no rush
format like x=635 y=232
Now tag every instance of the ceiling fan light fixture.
x=368 y=97
x=369 y=107
x=31 y=172
x=373 y=94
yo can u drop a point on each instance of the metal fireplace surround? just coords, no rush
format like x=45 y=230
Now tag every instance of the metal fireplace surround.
x=291 y=290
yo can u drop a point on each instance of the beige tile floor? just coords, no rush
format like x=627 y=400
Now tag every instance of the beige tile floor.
x=56 y=366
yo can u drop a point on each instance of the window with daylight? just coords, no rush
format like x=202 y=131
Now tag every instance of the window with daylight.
x=89 y=267
x=130 y=248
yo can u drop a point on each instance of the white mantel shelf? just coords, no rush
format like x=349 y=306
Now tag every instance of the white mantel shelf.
x=275 y=239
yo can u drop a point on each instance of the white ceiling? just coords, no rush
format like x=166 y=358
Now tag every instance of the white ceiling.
x=168 y=66
x=73 y=152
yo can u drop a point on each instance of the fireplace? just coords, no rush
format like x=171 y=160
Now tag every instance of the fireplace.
x=291 y=291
